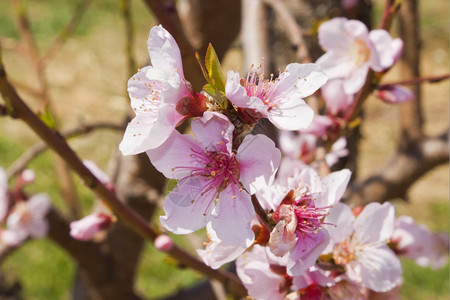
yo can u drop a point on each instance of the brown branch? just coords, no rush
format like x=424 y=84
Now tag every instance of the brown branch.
x=10 y=44
x=21 y=163
x=293 y=30
x=390 y=9
x=405 y=167
x=127 y=216
x=417 y=80
x=129 y=36
x=61 y=38
x=411 y=115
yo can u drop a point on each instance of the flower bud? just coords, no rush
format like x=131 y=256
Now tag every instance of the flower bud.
x=86 y=228
x=163 y=243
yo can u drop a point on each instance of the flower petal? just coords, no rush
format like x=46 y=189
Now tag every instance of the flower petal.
x=309 y=78
x=380 y=269
x=183 y=214
x=163 y=50
x=232 y=216
x=256 y=170
x=375 y=223
x=173 y=158
x=291 y=114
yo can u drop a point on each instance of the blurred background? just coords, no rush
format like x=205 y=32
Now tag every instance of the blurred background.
x=85 y=83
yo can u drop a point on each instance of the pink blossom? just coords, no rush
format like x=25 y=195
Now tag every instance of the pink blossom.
x=160 y=96
x=360 y=244
x=351 y=51
x=86 y=228
x=280 y=99
x=28 y=219
x=416 y=242
x=209 y=170
x=299 y=214
x=395 y=94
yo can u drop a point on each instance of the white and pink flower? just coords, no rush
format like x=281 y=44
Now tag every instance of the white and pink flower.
x=160 y=96
x=27 y=218
x=360 y=244
x=417 y=242
x=208 y=170
x=280 y=99
x=299 y=212
x=351 y=50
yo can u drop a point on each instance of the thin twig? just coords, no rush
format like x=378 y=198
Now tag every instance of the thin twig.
x=21 y=163
x=417 y=80
x=67 y=30
x=129 y=36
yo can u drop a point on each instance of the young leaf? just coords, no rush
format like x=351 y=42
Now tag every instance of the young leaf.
x=215 y=73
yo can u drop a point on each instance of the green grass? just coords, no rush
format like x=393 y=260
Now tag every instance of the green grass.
x=424 y=283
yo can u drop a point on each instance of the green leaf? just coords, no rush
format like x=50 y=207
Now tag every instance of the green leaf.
x=219 y=96
x=47 y=118
x=215 y=73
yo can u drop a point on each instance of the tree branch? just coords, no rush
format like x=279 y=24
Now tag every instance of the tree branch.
x=37 y=149
x=404 y=168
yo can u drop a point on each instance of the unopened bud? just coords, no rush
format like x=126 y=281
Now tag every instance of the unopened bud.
x=28 y=176
x=86 y=228
x=163 y=243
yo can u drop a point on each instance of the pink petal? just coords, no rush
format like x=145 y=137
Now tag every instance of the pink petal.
x=39 y=205
x=342 y=217
x=257 y=170
x=213 y=128
x=163 y=50
x=356 y=79
x=173 y=158
x=232 y=216
x=183 y=214
x=388 y=50
x=332 y=35
x=336 y=100
x=306 y=252
x=335 y=65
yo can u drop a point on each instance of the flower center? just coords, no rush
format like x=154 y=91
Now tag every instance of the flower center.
x=343 y=253
x=220 y=167
x=257 y=86
x=22 y=210
x=360 y=52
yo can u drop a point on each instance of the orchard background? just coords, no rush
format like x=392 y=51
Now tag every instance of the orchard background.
x=85 y=83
